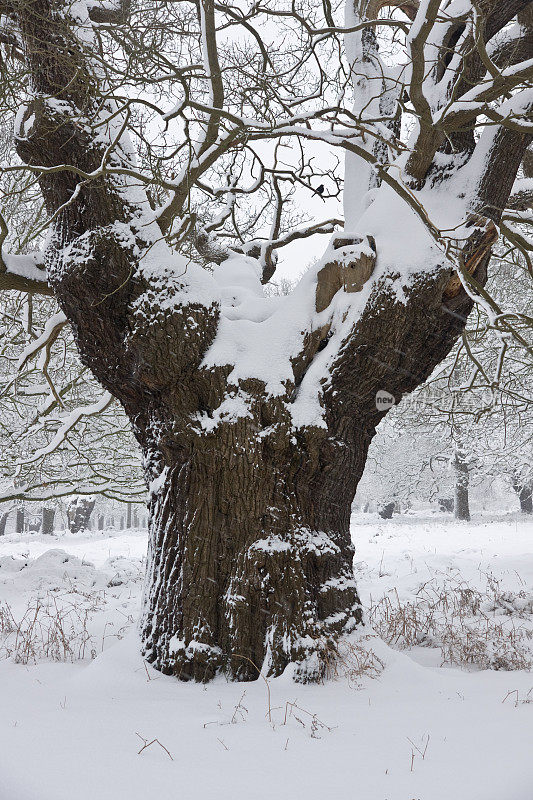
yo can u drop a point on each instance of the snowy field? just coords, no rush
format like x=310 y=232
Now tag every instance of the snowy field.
x=440 y=710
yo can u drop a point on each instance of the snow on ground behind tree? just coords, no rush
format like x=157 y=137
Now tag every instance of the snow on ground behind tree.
x=414 y=730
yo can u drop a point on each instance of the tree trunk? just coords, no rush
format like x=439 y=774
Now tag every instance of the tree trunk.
x=19 y=521
x=524 y=491
x=386 y=510
x=3 y=521
x=47 y=526
x=526 y=499
x=250 y=556
x=461 y=506
x=79 y=514
x=128 y=516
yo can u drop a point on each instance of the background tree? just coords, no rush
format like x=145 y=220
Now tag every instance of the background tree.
x=471 y=422
x=79 y=513
x=59 y=433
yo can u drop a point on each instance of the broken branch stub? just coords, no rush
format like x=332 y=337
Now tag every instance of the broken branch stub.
x=356 y=263
x=477 y=247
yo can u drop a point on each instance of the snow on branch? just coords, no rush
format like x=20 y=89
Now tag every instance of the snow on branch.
x=70 y=422
x=522 y=196
x=21 y=273
x=58 y=488
x=52 y=329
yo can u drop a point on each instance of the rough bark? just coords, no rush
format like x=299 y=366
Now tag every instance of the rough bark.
x=47 y=525
x=462 y=479
x=19 y=521
x=3 y=522
x=250 y=553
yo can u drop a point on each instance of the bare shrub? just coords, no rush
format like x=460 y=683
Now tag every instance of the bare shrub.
x=488 y=629
x=55 y=628
x=7 y=623
x=354 y=660
x=49 y=630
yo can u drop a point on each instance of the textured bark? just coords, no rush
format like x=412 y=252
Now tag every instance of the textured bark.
x=47 y=525
x=246 y=558
x=462 y=479
x=250 y=555
x=3 y=522
x=19 y=521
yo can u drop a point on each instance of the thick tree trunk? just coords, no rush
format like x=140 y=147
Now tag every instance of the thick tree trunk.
x=524 y=491
x=47 y=526
x=461 y=505
x=386 y=510
x=526 y=499
x=79 y=514
x=250 y=556
x=3 y=522
x=19 y=521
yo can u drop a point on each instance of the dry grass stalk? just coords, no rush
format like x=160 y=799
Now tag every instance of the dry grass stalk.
x=471 y=627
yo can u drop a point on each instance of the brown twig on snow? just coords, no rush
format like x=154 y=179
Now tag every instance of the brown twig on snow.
x=149 y=744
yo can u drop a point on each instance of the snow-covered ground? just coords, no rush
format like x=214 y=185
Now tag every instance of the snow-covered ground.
x=418 y=718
